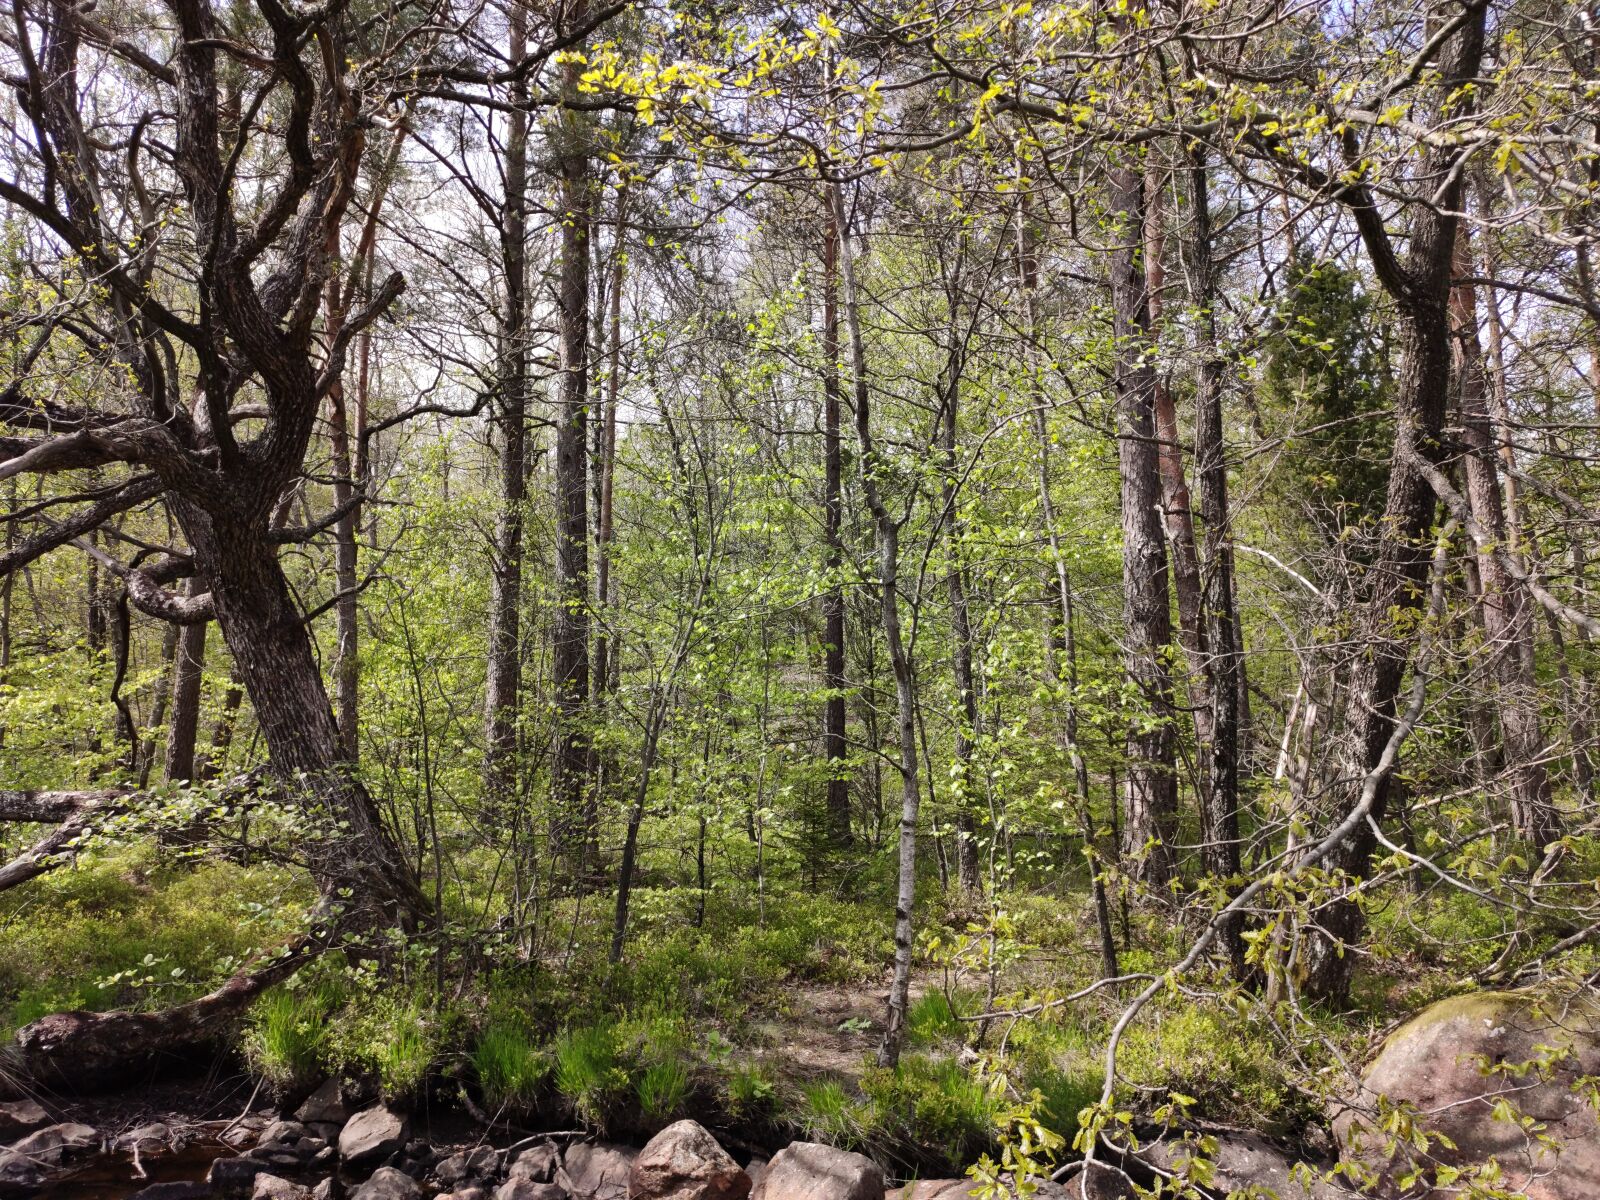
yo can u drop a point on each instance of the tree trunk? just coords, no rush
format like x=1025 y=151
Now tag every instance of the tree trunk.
x=503 y=681
x=1176 y=508
x=834 y=746
x=571 y=636
x=1224 y=662
x=188 y=672
x=967 y=865
x=888 y=538
x=1504 y=604
x=1151 y=797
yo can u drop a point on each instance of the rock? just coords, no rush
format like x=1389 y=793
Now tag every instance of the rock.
x=1104 y=1183
x=527 y=1189
x=387 y=1183
x=19 y=1174
x=933 y=1189
x=372 y=1135
x=21 y=1116
x=1442 y=1063
x=478 y=1163
x=328 y=1131
x=754 y=1168
x=328 y=1189
x=54 y=1144
x=325 y=1105
x=1239 y=1160
x=469 y=1193
x=596 y=1171
x=282 y=1133
x=808 y=1171
x=684 y=1162
x=146 y=1139
x=537 y=1162
x=183 y=1189
x=236 y=1176
x=273 y=1187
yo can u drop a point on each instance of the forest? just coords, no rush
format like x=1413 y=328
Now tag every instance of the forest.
x=644 y=600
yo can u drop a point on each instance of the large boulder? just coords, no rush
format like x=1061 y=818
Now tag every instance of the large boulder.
x=275 y=1187
x=1461 y=1069
x=537 y=1163
x=373 y=1135
x=684 y=1162
x=323 y=1106
x=596 y=1171
x=808 y=1171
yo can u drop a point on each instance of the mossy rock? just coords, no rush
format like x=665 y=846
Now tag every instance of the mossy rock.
x=1489 y=1081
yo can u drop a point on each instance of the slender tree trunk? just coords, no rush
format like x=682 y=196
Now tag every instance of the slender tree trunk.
x=1176 y=508
x=188 y=672
x=833 y=630
x=967 y=867
x=888 y=539
x=603 y=769
x=503 y=682
x=1151 y=797
x=571 y=636
x=1506 y=612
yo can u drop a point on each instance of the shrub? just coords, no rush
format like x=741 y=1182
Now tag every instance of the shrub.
x=932 y=1104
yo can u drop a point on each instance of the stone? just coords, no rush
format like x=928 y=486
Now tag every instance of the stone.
x=537 y=1162
x=596 y=1171
x=328 y=1131
x=1239 y=1160
x=325 y=1105
x=146 y=1139
x=469 y=1193
x=21 y=1116
x=182 y=1189
x=808 y=1171
x=327 y=1189
x=527 y=1189
x=478 y=1163
x=274 y=1187
x=236 y=1176
x=54 y=1144
x=386 y=1183
x=19 y=1174
x=1443 y=1062
x=373 y=1135
x=754 y=1168
x=282 y=1133
x=684 y=1162
x=933 y=1189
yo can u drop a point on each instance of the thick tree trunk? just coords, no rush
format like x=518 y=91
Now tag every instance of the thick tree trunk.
x=504 y=669
x=571 y=637
x=1394 y=584
x=1151 y=797
x=834 y=746
x=271 y=647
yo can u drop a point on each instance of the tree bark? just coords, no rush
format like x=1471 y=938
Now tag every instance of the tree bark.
x=571 y=635
x=188 y=673
x=967 y=864
x=1394 y=585
x=503 y=681
x=1150 y=801
x=834 y=746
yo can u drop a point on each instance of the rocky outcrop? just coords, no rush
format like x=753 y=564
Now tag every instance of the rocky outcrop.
x=808 y=1171
x=371 y=1136
x=684 y=1162
x=1499 y=1075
